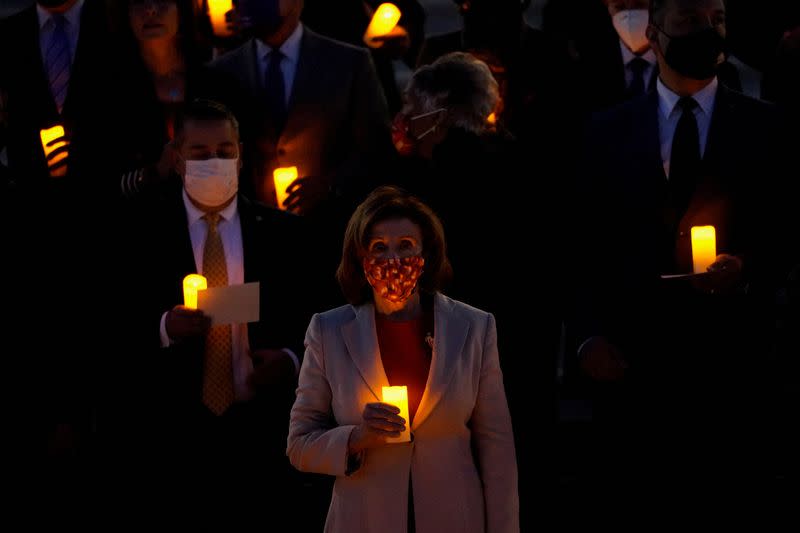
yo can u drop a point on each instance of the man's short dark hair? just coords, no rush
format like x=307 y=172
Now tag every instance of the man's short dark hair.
x=204 y=110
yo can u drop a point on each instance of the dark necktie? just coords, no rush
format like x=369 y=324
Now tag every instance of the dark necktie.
x=276 y=91
x=685 y=161
x=638 y=67
x=57 y=60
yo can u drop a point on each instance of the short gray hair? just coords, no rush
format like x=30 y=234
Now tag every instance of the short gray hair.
x=459 y=83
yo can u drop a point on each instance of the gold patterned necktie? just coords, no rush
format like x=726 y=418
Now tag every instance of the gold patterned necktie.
x=218 y=362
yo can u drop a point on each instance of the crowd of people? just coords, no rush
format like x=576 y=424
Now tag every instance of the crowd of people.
x=515 y=222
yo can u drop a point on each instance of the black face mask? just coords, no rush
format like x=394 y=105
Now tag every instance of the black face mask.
x=695 y=55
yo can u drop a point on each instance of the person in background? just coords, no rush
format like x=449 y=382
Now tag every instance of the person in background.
x=53 y=59
x=217 y=396
x=678 y=362
x=163 y=67
x=311 y=102
x=458 y=472
x=347 y=20
x=609 y=47
x=533 y=72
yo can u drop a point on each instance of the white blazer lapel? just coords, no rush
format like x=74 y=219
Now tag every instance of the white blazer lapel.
x=450 y=334
x=361 y=340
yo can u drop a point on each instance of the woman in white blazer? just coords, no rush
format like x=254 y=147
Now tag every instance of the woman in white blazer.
x=458 y=473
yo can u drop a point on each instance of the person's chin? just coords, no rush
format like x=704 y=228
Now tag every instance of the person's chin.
x=153 y=33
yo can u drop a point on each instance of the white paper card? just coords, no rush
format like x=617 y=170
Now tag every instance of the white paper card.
x=234 y=304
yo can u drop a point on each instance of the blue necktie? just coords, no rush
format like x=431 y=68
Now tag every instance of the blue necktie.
x=57 y=61
x=638 y=85
x=276 y=91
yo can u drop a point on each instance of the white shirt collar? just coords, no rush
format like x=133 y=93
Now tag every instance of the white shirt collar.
x=73 y=14
x=290 y=47
x=705 y=97
x=628 y=56
x=193 y=214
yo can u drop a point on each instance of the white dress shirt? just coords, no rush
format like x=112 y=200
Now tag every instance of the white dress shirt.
x=628 y=56
x=291 y=55
x=669 y=114
x=73 y=28
x=230 y=231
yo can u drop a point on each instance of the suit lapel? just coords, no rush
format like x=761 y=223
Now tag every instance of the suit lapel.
x=249 y=65
x=304 y=77
x=250 y=241
x=450 y=334
x=719 y=128
x=361 y=339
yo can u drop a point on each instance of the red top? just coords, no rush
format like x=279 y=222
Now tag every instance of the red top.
x=404 y=356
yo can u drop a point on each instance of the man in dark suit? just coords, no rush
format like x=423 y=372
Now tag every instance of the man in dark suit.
x=679 y=360
x=217 y=397
x=313 y=103
x=52 y=55
x=619 y=64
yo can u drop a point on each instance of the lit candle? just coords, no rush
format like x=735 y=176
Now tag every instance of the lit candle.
x=216 y=11
x=49 y=135
x=398 y=396
x=383 y=21
x=283 y=178
x=191 y=284
x=704 y=247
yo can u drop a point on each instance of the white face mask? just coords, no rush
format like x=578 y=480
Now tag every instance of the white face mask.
x=631 y=25
x=212 y=182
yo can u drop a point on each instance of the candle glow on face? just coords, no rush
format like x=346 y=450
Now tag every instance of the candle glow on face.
x=398 y=396
x=191 y=284
x=704 y=248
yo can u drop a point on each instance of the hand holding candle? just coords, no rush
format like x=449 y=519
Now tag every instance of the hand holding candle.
x=283 y=178
x=380 y=425
x=398 y=396
x=704 y=248
x=383 y=23
x=191 y=284
x=56 y=150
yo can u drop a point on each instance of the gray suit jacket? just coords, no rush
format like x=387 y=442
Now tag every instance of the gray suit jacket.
x=461 y=461
x=338 y=123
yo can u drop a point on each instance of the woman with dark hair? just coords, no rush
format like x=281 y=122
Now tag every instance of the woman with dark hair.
x=161 y=67
x=450 y=466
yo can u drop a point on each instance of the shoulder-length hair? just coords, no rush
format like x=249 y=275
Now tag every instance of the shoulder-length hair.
x=388 y=203
x=192 y=42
